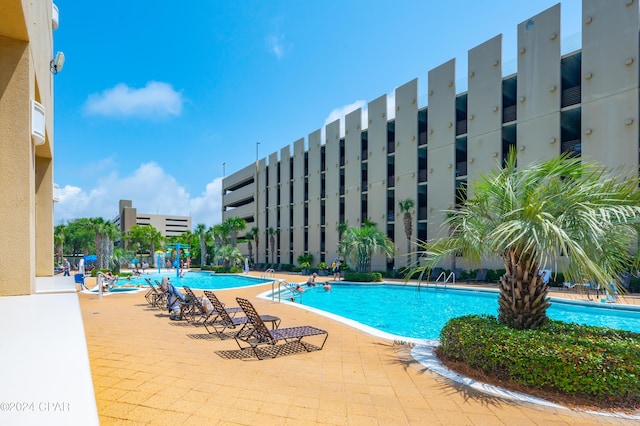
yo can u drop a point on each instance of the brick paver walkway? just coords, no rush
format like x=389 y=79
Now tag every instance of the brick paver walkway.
x=149 y=370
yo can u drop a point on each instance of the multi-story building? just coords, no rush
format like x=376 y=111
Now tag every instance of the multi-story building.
x=167 y=225
x=26 y=137
x=584 y=102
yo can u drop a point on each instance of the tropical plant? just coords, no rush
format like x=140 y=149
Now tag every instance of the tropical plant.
x=360 y=244
x=235 y=225
x=201 y=231
x=138 y=239
x=230 y=256
x=531 y=217
x=305 y=260
x=221 y=234
x=153 y=236
x=79 y=235
x=252 y=235
x=272 y=242
x=105 y=234
x=405 y=207
x=58 y=241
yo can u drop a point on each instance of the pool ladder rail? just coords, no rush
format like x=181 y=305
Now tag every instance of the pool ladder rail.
x=444 y=279
x=269 y=273
x=283 y=288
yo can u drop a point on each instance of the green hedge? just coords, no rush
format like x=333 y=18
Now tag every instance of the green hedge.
x=363 y=277
x=222 y=269
x=593 y=362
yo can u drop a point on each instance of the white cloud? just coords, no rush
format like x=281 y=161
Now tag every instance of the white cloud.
x=156 y=99
x=151 y=190
x=276 y=40
x=341 y=112
x=276 y=46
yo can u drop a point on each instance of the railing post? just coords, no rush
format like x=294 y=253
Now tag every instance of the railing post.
x=99 y=281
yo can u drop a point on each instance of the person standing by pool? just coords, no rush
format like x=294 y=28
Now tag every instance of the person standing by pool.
x=66 y=267
x=335 y=267
x=311 y=281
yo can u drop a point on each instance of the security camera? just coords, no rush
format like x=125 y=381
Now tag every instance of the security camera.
x=57 y=63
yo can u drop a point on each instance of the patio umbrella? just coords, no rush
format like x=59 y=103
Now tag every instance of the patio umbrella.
x=90 y=258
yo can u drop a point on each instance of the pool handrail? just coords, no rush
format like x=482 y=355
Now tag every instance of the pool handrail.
x=269 y=271
x=446 y=278
x=283 y=285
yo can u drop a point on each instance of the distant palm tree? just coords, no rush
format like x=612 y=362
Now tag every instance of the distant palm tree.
x=360 y=244
x=272 y=242
x=560 y=208
x=58 y=240
x=105 y=234
x=252 y=235
x=235 y=226
x=405 y=207
x=201 y=231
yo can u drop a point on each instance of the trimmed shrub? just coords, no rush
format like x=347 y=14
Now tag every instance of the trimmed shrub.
x=493 y=275
x=363 y=277
x=592 y=362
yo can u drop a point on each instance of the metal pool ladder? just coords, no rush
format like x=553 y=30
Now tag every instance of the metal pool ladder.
x=283 y=287
x=445 y=278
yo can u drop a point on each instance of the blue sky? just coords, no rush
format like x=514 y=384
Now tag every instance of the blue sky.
x=156 y=95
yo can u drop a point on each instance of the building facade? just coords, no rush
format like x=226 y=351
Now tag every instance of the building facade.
x=583 y=102
x=167 y=225
x=26 y=137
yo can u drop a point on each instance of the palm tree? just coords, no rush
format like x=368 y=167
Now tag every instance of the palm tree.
x=534 y=216
x=405 y=207
x=137 y=237
x=231 y=256
x=272 y=242
x=360 y=244
x=105 y=234
x=58 y=240
x=235 y=226
x=153 y=236
x=221 y=234
x=201 y=231
x=252 y=235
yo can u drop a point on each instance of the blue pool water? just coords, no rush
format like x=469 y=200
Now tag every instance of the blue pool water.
x=408 y=312
x=198 y=280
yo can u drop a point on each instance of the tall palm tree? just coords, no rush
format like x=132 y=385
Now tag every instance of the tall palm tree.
x=58 y=240
x=137 y=238
x=105 y=234
x=153 y=236
x=235 y=226
x=201 y=231
x=221 y=234
x=272 y=242
x=250 y=236
x=532 y=217
x=360 y=244
x=406 y=207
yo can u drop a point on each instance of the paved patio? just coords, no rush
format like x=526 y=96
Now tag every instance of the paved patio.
x=147 y=369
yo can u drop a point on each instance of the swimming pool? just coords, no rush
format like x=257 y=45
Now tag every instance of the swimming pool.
x=406 y=312
x=198 y=280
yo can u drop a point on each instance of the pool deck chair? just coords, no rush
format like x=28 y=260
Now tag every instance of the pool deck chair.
x=435 y=273
x=195 y=309
x=222 y=318
x=261 y=335
x=155 y=297
x=481 y=276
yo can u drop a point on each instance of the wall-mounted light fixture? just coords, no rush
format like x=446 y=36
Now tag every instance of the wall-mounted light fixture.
x=57 y=63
